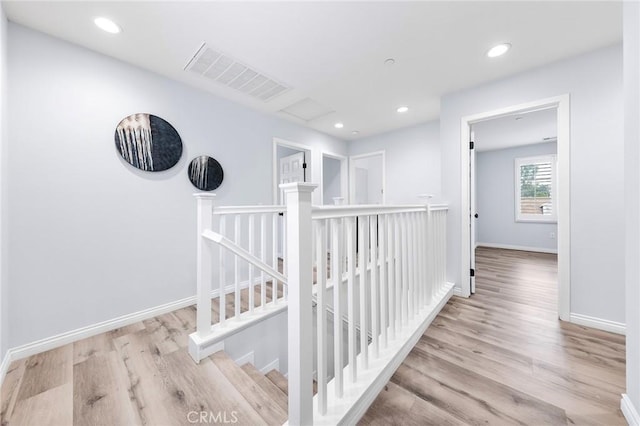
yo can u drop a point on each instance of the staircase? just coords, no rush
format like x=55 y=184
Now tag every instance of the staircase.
x=265 y=393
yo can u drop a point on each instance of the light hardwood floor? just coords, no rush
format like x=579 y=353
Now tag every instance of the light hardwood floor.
x=141 y=375
x=501 y=357
x=498 y=358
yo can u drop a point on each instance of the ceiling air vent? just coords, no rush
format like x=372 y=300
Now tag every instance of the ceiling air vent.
x=225 y=70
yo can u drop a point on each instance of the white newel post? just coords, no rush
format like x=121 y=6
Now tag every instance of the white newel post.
x=300 y=327
x=204 y=263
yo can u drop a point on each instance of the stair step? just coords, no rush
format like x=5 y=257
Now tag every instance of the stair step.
x=279 y=380
x=252 y=392
x=274 y=392
x=283 y=383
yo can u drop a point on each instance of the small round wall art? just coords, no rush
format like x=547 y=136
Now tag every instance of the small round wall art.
x=148 y=142
x=205 y=173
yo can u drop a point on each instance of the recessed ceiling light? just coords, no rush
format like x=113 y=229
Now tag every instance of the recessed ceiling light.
x=355 y=132
x=498 y=50
x=389 y=61
x=402 y=109
x=107 y=25
x=338 y=125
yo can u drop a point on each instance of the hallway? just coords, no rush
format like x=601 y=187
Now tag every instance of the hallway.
x=502 y=357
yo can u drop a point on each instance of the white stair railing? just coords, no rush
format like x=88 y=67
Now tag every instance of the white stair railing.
x=389 y=284
x=380 y=281
x=251 y=238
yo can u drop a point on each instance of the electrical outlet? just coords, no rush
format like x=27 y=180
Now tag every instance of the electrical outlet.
x=552 y=235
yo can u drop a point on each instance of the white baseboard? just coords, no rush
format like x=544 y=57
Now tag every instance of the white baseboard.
x=599 y=323
x=248 y=358
x=457 y=291
x=275 y=364
x=521 y=248
x=4 y=366
x=630 y=412
x=53 y=342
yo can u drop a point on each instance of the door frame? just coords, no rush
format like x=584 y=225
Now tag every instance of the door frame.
x=352 y=173
x=308 y=159
x=344 y=174
x=562 y=104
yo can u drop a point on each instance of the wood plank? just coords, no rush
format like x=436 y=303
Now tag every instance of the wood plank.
x=53 y=407
x=256 y=397
x=100 y=394
x=503 y=357
x=46 y=371
x=10 y=388
x=274 y=392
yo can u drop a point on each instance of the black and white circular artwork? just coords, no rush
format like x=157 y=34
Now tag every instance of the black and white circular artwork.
x=148 y=142
x=205 y=173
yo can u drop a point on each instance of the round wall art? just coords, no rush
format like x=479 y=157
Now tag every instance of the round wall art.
x=148 y=142
x=205 y=173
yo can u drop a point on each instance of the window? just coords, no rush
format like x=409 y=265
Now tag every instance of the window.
x=536 y=189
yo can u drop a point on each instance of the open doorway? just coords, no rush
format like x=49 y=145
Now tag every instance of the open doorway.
x=530 y=203
x=334 y=186
x=513 y=199
x=367 y=178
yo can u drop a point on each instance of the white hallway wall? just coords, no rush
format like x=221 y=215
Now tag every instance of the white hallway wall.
x=90 y=237
x=412 y=158
x=631 y=14
x=594 y=82
x=495 y=195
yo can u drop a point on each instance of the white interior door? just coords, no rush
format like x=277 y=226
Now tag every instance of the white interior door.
x=473 y=215
x=367 y=178
x=291 y=169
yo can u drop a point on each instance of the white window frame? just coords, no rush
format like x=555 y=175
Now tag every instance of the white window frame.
x=552 y=218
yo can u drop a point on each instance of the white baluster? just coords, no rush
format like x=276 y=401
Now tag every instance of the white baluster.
x=404 y=255
x=237 y=219
x=222 y=295
x=363 y=245
x=263 y=258
x=321 y=313
x=384 y=300
x=398 y=271
x=274 y=252
x=350 y=227
x=252 y=250
x=284 y=258
x=373 y=232
x=336 y=278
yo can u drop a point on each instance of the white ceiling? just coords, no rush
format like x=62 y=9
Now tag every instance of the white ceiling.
x=516 y=130
x=334 y=52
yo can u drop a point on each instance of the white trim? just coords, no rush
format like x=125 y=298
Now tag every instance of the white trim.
x=562 y=104
x=4 y=366
x=247 y=358
x=521 y=248
x=61 y=339
x=352 y=172
x=457 y=291
x=275 y=166
x=344 y=174
x=273 y=365
x=630 y=412
x=599 y=323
